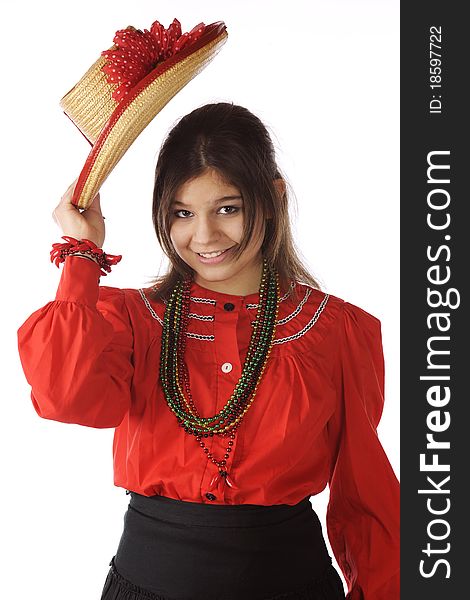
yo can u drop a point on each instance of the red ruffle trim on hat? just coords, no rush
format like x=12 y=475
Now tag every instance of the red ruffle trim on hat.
x=138 y=52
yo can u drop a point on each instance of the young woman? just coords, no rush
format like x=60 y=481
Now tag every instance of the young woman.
x=238 y=389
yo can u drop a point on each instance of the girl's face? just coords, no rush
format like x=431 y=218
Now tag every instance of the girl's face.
x=207 y=217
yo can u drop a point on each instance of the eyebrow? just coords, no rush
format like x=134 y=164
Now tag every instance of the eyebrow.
x=216 y=201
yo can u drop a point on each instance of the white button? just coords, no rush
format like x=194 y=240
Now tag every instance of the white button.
x=227 y=367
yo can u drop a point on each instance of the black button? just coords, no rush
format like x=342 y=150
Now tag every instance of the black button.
x=210 y=496
x=229 y=306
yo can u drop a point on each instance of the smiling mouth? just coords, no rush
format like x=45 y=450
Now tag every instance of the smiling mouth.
x=212 y=254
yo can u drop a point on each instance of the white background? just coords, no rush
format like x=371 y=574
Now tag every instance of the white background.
x=324 y=77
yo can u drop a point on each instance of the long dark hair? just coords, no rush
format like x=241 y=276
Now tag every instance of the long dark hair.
x=234 y=142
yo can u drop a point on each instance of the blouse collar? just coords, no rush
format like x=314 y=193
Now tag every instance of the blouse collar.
x=206 y=294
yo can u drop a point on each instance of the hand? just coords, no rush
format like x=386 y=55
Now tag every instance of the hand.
x=88 y=224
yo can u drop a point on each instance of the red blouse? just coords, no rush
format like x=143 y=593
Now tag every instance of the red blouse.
x=92 y=357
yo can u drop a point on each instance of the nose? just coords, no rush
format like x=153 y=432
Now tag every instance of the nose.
x=204 y=232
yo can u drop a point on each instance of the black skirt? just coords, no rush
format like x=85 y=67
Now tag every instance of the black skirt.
x=176 y=550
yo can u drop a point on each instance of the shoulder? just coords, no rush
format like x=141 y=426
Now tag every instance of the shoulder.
x=144 y=308
x=306 y=319
x=327 y=315
x=143 y=297
x=356 y=318
x=134 y=304
x=318 y=304
x=342 y=308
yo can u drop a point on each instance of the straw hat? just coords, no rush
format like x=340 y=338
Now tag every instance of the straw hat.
x=128 y=86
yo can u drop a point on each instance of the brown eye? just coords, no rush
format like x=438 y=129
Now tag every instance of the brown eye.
x=233 y=209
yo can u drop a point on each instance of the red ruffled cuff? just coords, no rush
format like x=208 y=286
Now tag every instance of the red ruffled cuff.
x=72 y=246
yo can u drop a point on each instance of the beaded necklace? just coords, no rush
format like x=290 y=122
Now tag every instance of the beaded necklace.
x=175 y=378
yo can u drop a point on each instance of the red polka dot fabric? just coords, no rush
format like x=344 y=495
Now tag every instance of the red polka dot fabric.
x=138 y=52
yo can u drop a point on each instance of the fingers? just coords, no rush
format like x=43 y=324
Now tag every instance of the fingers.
x=65 y=202
x=67 y=197
x=79 y=223
x=95 y=206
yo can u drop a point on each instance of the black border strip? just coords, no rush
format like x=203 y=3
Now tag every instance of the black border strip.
x=434 y=272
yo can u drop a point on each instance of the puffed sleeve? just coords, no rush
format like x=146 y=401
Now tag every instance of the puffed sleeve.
x=363 y=510
x=76 y=351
